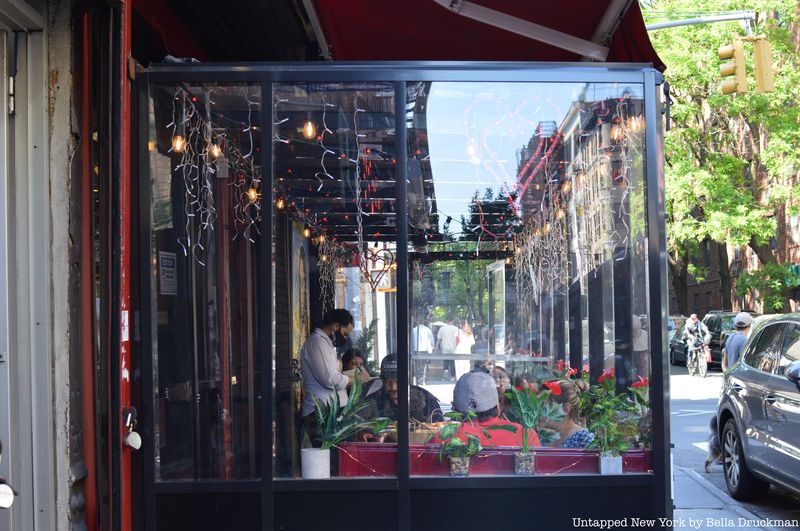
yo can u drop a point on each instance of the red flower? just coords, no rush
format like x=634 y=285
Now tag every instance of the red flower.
x=607 y=374
x=586 y=368
x=561 y=365
x=572 y=371
x=555 y=389
x=519 y=388
x=643 y=382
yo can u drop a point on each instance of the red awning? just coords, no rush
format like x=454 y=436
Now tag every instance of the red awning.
x=423 y=30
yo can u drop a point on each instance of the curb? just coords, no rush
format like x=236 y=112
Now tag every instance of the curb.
x=725 y=500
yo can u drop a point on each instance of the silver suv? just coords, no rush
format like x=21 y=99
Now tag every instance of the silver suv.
x=759 y=411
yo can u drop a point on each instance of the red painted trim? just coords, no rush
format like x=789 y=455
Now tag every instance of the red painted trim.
x=177 y=38
x=126 y=319
x=87 y=281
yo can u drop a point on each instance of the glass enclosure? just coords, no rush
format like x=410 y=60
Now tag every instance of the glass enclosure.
x=526 y=242
x=205 y=168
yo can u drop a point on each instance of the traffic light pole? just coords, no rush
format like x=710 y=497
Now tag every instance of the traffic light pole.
x=737 y=15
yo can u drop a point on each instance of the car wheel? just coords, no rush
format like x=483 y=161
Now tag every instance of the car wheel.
x=672 y=356
x=741 y=483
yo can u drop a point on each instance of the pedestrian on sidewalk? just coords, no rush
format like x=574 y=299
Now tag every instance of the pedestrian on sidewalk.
x=734 y=345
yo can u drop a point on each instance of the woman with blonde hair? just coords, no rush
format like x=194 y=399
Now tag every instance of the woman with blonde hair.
x=568 y=395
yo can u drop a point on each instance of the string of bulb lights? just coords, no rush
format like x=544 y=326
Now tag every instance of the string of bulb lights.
x=204 y=151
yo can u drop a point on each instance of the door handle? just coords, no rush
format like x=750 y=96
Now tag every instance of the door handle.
x=736 y=387
x=769 y=399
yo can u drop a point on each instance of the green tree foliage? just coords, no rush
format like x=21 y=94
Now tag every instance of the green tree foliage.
x=769 y=282
x=730 y=160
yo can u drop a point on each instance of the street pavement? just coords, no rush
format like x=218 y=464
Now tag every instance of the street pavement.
x=702 y=500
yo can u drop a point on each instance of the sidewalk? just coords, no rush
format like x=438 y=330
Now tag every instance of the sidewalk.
x=700 y=505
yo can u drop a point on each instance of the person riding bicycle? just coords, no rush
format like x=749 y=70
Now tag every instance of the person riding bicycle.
x=695 y=329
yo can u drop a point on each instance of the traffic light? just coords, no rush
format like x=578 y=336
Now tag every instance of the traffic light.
x=762 y=60
x=735 y=68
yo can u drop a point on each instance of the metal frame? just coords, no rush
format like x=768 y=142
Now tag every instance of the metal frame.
x=400 y=72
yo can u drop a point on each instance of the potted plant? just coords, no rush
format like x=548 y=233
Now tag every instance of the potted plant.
x=458 y=451
x=336 y=424
x=531 y=409
x=607 y=412
x=640 y=411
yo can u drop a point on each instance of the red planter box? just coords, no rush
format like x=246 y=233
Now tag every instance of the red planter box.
x=376 y=460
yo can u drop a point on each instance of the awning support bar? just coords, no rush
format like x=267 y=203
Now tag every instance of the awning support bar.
x=527 y=29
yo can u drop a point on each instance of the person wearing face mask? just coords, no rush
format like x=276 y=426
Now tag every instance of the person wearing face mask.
x=320 y=367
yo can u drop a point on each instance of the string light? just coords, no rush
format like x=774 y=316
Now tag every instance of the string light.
x=280 y=204
x=214 y=151
x=178 y=144
x=252 y=195
x=306 y=232
x=566 y=187
x=309 y=129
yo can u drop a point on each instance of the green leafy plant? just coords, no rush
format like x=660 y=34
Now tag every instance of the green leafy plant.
x=366 y=342
x=531 y=409
x=640 y=410
x=452 y=445
x=337 y=423
x=609 y=416
x=771 y=283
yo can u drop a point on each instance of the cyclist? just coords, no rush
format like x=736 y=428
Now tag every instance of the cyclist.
x=693 y=330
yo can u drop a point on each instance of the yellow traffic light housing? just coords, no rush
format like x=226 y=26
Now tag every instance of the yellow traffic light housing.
x=762 y=60
x=734 y=69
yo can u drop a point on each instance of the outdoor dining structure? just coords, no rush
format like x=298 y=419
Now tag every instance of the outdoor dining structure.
x=500 y=218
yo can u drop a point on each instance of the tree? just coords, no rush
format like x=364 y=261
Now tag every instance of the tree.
x=730 y=160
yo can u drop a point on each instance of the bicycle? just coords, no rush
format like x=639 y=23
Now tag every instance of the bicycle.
x=697 y=357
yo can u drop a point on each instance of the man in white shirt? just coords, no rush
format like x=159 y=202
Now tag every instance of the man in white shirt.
x=320 y=366
x=422 y=343
x=446 y=343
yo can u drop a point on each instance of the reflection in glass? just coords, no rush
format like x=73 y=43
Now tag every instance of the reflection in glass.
x=205 y=169
x=527 y=261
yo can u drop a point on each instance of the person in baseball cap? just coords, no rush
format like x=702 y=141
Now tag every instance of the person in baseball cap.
x=734 y=345
x=475 y=395
x=423 y=405
x=742 y=320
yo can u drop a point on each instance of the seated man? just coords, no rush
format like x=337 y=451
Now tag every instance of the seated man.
x=423 y=406
x=476 y=391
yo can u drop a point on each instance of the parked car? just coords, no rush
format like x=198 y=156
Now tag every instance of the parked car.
x=758 y=413
x=719 y=324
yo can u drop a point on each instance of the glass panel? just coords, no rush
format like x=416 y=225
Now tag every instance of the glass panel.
x=765 y=354
x=791 y=348
x=528 y=276
x=205 y=172
x=334 y=248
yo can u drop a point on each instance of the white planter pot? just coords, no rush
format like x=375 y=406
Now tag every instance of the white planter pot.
x=315 y=463
x=610 y=464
